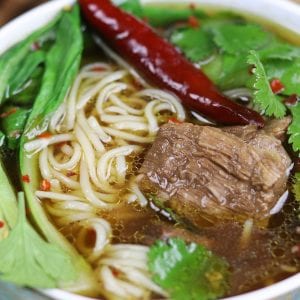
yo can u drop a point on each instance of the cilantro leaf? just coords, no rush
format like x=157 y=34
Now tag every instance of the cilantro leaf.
x=294 y=128
x=188 y=270
x=195 y=43
x=132 y=6
x=240 y=38
x=279 y=50
x=291 y=79
x=264 y=98
x=26 y=259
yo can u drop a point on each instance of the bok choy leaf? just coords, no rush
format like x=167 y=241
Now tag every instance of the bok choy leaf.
x=61 y=65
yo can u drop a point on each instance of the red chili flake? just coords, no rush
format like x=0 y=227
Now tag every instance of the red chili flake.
x=174 y=120
x=71 y=173
x=291 y=100
x=115 y=272
x=59 y=145
x=2 y=224
x=45 y=135
x=35 y=46
x=98 y=69
x=26 y=178
x=193 y=22
x=276 y=86
x=45 y=185
x=8 y=113
x=90 y=238
x=192 y=6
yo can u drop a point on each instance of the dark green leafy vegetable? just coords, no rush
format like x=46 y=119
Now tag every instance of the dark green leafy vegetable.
x=240 y=38
x=25 y=257
x=159 y=15
x=32 y=60
x=264 y=98
x=8 y=203
x=196 y=43
x=188 y=270
x=61 y=65
x=13 y=124
x=162 y=15
x=29 y=90
x=11 y=61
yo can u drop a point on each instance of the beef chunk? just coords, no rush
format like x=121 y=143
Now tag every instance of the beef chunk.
x=238 y=172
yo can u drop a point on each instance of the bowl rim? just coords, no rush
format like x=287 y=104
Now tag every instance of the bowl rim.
x=15 y=31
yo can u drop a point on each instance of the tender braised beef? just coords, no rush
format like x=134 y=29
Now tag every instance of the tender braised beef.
x=238 y=172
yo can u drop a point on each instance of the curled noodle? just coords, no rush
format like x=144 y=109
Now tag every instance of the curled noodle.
x=105 y=123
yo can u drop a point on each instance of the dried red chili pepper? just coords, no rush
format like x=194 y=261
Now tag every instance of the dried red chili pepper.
x=162 y=64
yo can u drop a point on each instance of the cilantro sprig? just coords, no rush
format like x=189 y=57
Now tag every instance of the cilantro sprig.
x=26 y=259
x=188 y=270
x=269 y=103
x=194 y=42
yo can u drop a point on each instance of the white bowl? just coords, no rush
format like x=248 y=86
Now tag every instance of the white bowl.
x=282 y=12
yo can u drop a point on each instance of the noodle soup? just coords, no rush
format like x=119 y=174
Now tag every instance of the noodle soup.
x=87 y=178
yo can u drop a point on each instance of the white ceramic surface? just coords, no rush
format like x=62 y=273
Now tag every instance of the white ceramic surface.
x=282 y=12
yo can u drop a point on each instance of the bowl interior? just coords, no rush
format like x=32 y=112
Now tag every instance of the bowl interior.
x=281 y=12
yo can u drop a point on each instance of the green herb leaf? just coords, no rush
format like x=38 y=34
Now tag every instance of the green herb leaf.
x=162 y=15
x=12 y=59
x=29 y=65
x=279 y=50
x=264 y=98
x=61 y=65
x=196 y=44
x=291 y=79
x=240 y=38
x=13 y=124
x=26 y=259
x=191 y=270
x=294 y=128
x=132 y=6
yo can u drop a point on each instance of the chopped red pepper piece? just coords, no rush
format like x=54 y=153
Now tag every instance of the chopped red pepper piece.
x=291 y=100
x=35 y=46
x=276 y=86
x=45 y=135
x=8 y=113
x=45 y=185
x=174 y=120
x=26 y=178
x=2 y=224
x=71 y=173
x=193 y=22
x=98 y=69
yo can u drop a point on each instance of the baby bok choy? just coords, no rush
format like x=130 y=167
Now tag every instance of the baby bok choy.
x=61 y=64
